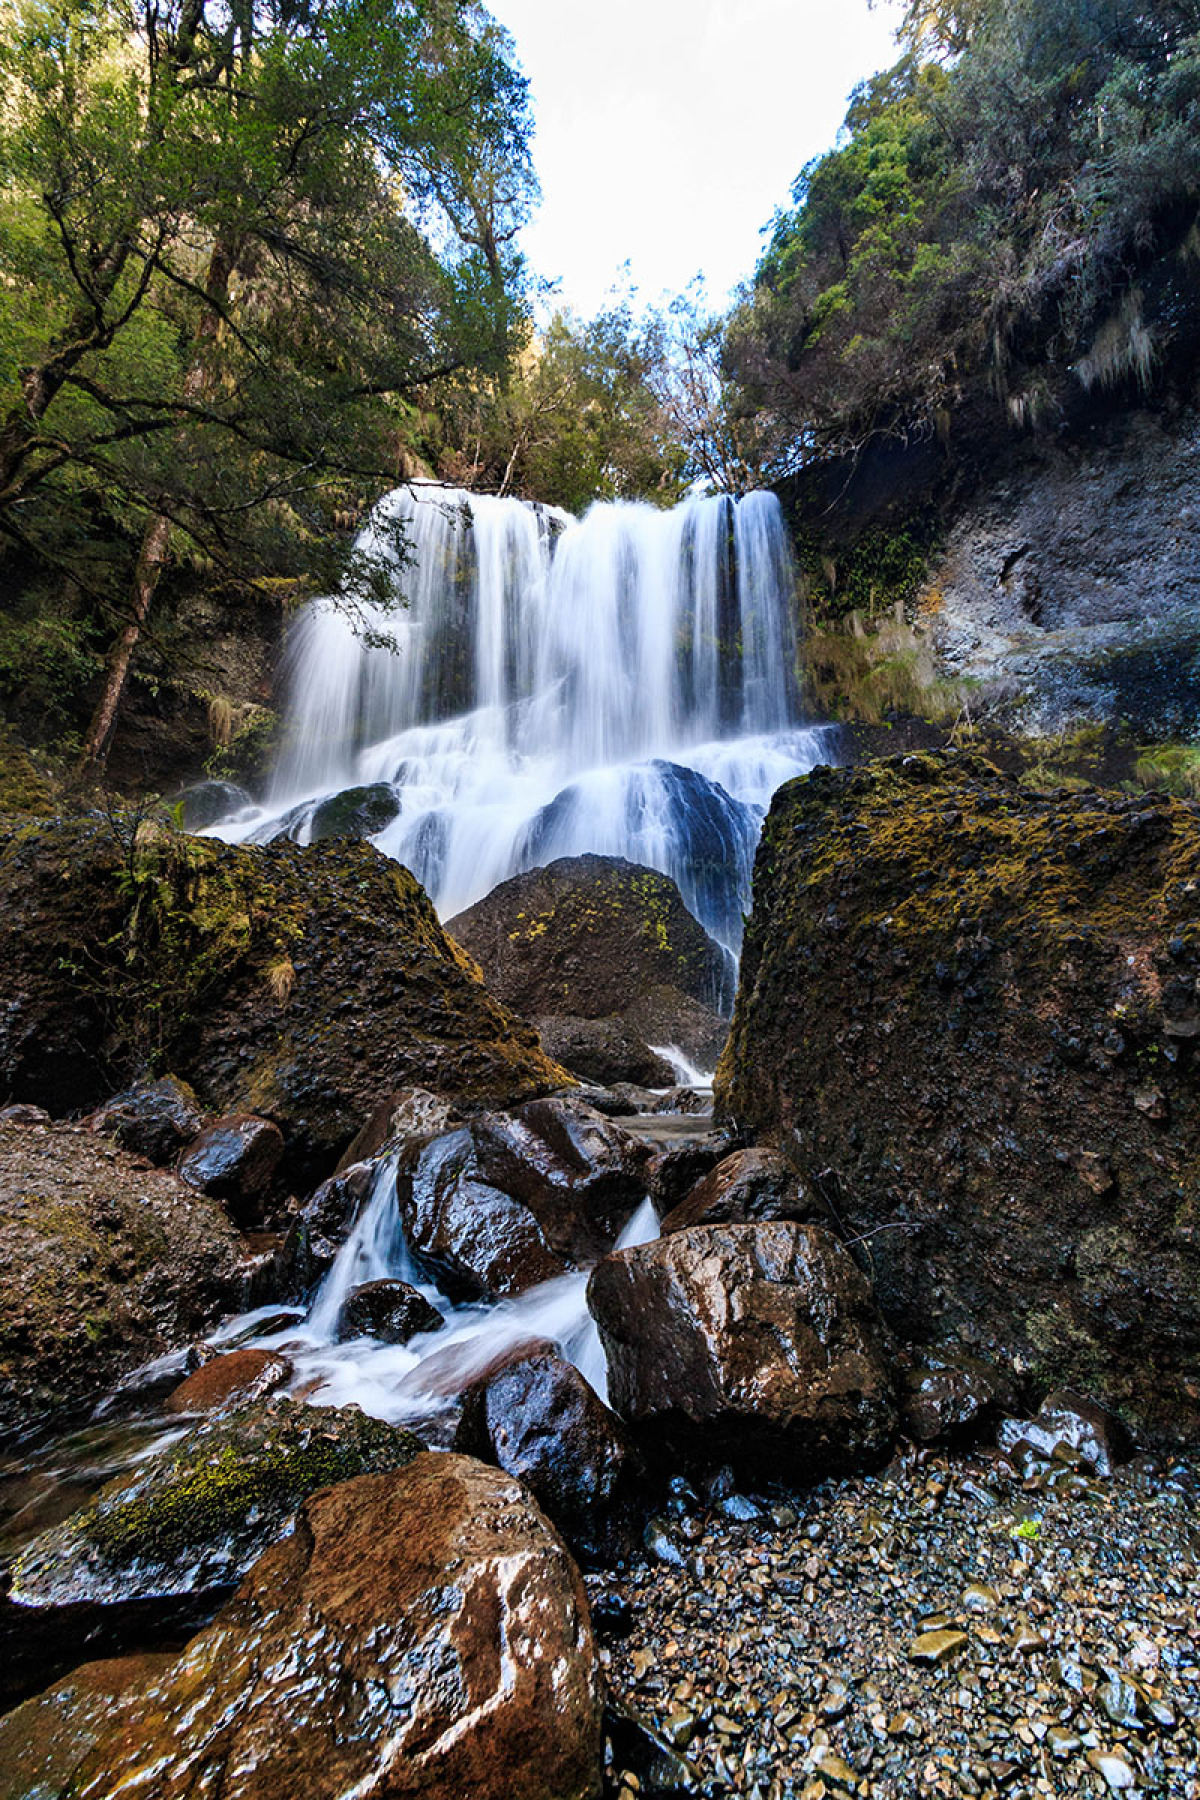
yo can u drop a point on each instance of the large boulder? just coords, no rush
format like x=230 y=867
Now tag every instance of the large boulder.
x=199 y=1513
x=246 y=970
x=234 y=1159
x=420 y=1633
x=595 y=937
x=157 y=1119
x=755 y=1344
x=973 y=1009
x=514 y=1199
x=105 y=1263
x=537 y=1417
x=603 y=1050
x=749 y=1185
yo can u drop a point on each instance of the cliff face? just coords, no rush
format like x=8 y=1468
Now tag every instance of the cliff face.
x=969 y=1015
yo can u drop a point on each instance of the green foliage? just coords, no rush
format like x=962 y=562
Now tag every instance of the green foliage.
x=880 y=571
x=980 y=229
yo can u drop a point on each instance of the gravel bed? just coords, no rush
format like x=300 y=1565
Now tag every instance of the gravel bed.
x=945 y=1628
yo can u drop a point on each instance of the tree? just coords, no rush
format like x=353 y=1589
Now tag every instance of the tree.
x=219 y=312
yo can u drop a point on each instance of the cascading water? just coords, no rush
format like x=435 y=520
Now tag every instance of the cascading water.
x=623 y=684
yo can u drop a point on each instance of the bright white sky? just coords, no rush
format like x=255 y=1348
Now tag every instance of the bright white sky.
x=668 y=131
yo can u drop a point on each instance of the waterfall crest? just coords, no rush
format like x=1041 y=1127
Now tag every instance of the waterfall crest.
x=624 y=684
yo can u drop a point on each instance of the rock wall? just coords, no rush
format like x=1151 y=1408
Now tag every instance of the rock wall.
x=969 y=1016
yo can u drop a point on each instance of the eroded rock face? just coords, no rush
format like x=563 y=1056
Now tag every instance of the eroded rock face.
x=253 y=964
x=514 y=1199
x=536 y=1416
x=596 y=937
x=156 y=1119
x=196 y=1516
x=756 y=1344
x=744 y=1187
x=104 y=1264
x=421 y=1633
x=975 y=1005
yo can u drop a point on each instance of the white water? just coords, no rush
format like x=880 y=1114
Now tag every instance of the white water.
x=623 y=684
x=686 y=1072
x=414 y=1382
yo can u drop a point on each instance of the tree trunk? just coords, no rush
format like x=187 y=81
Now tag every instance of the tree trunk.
x=156 y=541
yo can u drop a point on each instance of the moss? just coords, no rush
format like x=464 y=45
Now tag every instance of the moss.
x=868 y=677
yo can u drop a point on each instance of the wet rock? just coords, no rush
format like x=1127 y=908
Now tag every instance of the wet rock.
x=603 y=1050
x=205 y=802
x=1069 y=1422
x=196 y=1515
x=937 y=1647
x=421 y=1633
x=234 y=1159
x=535 y=1415
x=745 y=1187
x=950 y=1394
x=357 y=812
x=641 y=1751
x=408 y=1113
x=987 y=1145
x=24 y=1115
x=757 y=1344
x=392 y=1311
x=515 y=1199
x=687 y=1100
x=253 y=964
x=233 y=1380
x=104 y=1264
x=323 y=1224
x=156 y=1119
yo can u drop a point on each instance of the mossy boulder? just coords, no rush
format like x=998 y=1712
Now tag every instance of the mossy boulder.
x=357 y=812
x=196 y=1516
x=588 y=937
x=299 y=984
x=104 y=1264
x=969 y=1015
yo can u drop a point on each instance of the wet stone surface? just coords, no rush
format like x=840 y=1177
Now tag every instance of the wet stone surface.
x=791 y=1656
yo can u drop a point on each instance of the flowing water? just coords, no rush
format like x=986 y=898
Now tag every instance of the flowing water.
x=624 y=684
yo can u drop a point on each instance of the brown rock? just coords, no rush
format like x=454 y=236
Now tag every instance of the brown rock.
x=603 y=1050
x=323 y=1224
x=745 y=1187
x=757 y=1344
x=949 y=1394
x=421 y=1633
x=232 y=1380
x=234 y=1160
x=392 y=1311
x=534 y=1415
x=152 y=1118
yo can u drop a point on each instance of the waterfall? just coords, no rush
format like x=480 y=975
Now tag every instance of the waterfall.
x=624 y=684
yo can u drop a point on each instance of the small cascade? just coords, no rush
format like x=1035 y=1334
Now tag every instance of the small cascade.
x=686 y=1072
x=623 y=684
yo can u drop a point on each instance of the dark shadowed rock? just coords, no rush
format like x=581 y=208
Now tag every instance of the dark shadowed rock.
x=951 y=1395
x=323 y=1224
x=422 y=1633
x=224 y=1382
x=156 y=1119
x=392 y=1311
x=24 y=1115
x=516 y=1198
x=197 y=1515
x=757 y=1344
x=744 y=1187
x=357 y=812
x=207 y=801
x=535 y=1415
x=603 y=1050
x=257 y=967
x=104 y=1264
x=953 y=989
x=234 y=1159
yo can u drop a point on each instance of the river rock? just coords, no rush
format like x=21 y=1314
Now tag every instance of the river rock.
x=256 y=969
x=948 y=1394
x=515 y=1199
x=535 y=1415
x=397 y=1119
x=1067 y=1421
x=392 y=1311
x=104 y=1264
x=156 y=1119
x=195 y=1516
x=234 y=1160
x=603 y=1050
x=752 y=1344
x=745 y=1187
x=323 y=1224
x=233 y=1380
x=421 y=1633
x=952 y=988
x=357 y=812
x=596 y=937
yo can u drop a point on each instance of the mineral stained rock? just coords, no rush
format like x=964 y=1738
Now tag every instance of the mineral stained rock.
x=969 y=1012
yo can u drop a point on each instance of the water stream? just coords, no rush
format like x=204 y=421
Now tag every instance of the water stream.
x=624 y=684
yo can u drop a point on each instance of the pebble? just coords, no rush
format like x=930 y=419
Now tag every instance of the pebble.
x=937 y=1647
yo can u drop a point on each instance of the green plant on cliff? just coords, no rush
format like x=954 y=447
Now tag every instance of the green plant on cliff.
x=981 y=230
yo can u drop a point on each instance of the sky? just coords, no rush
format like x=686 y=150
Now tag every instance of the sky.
x=668 y=131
